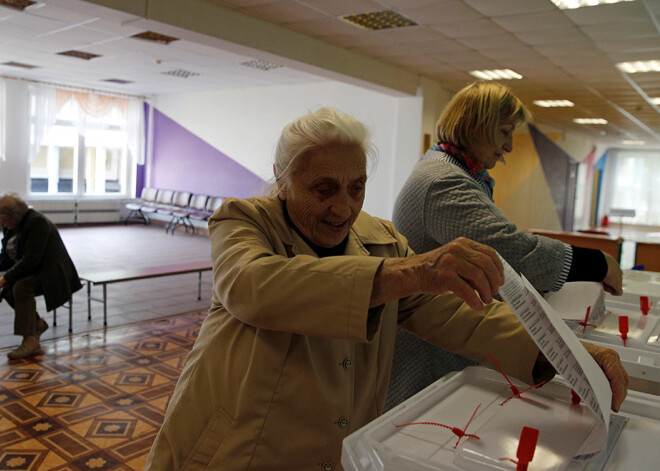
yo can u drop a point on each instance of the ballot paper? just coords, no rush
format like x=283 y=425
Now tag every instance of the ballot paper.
x=564 y=351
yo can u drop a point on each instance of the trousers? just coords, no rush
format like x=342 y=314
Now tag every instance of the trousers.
x=21 y=297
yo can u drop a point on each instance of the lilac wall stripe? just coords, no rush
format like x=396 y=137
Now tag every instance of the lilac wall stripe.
x=182 y=161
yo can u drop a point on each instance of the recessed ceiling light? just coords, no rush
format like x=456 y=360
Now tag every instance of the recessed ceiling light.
x=656 y=100
x=590 y=121
x=181 y=73
x=17 y=4
x=118 y=81
x=20 y=64
x=554 y=103
x=79 y=54
x=633 y=143
x=571 y=4
x=155 y=37
x=497 y=74
x=261 y=64
x=379 y=20
x=639 y=66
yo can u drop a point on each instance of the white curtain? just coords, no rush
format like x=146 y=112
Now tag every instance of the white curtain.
x=135 y=130
x=632 y=181
x=3 y=121
x=43 y=113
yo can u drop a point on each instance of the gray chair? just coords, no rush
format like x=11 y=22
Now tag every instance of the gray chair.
x=140 y=209
x=213 y=203
x=180 y=203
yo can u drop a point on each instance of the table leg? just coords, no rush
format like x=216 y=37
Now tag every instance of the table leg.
x=105 y=305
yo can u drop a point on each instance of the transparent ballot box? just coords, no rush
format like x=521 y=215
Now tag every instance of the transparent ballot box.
x=570 y=436
x=640 y=354
x=638 y=283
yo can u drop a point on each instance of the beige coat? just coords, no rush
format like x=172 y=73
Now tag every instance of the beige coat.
x=289 y=360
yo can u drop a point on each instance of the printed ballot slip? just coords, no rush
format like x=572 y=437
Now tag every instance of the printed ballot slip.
x=564 y=351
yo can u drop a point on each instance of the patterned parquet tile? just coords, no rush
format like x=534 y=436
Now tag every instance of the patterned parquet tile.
x=93 y=402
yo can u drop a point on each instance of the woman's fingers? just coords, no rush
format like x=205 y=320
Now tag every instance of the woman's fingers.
x=616 y=374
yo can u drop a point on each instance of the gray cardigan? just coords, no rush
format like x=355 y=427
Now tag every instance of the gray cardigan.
x=441 y=201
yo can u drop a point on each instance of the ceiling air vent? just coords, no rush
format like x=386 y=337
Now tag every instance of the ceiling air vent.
x=19 y=64
x=379 y=20
x=261 y=65
x=181 y=73
x=17 y=4
x=79 y=54
x=119 y=81
x=155 y=37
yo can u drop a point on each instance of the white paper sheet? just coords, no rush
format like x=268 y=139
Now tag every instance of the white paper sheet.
x=562 y=348
x=573 y=299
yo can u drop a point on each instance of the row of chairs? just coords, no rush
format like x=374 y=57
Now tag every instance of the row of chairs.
x=182 y=206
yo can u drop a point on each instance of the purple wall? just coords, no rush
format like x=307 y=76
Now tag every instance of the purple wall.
x=182 y=161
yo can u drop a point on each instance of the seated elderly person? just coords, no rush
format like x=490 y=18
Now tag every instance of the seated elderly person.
x=36 y=262
x=296 y=351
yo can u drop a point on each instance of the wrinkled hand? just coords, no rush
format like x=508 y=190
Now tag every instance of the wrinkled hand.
x=609 y=361
x=613 y=282
x=462 y=266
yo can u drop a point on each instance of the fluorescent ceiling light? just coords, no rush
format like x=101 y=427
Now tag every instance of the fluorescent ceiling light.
x=572 y=4
x=656 y=100
x=554 y=103
x=634 y=143
x=590 y=121
x=497 y=74
x=639 y=66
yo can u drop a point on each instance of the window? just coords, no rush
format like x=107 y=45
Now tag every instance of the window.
x=84 y=150
x=632 y=181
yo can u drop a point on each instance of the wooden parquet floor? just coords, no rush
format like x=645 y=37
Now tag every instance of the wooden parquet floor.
x=95 y=401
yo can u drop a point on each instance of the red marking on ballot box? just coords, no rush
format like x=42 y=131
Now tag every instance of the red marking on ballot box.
x=460 y=433
x=585 y=322
x=529 y=437
x=623 y=328
x=516 y=392
x=575 y=398
x=644 y=305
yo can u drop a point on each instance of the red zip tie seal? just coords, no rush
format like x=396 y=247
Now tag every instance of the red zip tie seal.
x=529 y=437
x=516 y=392
x=644 y=305
x=585 y=322
x=460 y=433
x=623 y=328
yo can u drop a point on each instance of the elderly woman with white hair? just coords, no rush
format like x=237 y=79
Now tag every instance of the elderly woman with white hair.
x=296 y=350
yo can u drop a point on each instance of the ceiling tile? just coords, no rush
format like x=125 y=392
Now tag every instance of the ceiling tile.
x=570 y=34
x=607 y=13
x=621 y=29
x=343 y=7
x=284 y=12
x=469 y=28
x=492 y=42
x=533 y=22
x=325 y=27
x=495 y=8
x=441 y=13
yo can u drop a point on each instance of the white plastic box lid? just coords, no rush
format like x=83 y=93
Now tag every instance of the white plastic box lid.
x=564 y=428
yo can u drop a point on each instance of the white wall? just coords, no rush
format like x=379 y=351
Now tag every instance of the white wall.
x=245 y=124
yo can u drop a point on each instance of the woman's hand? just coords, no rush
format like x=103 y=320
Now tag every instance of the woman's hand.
x=462 y=266
x=610 y=362
x=613 y=282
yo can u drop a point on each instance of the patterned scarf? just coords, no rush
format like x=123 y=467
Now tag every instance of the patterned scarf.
x=475 y=168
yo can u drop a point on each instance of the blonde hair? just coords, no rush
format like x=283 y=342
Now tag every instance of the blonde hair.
x=12 y=207
x=322 y=129
x=474 y=114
